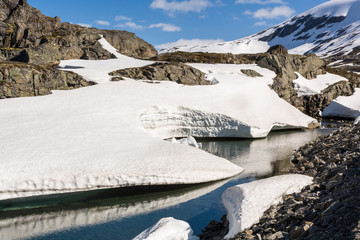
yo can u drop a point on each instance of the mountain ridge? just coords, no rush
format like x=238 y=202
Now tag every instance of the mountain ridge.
x=329 y=29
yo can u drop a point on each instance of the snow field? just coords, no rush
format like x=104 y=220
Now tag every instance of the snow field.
x=305 y=87
x=110 y=135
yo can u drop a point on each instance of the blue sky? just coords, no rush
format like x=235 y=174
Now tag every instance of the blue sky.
x=166 y=21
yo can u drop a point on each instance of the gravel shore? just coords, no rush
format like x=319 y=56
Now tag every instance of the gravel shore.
x=327 y=209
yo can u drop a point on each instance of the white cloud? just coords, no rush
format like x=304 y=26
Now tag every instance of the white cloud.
x=262 y=23
x=272 y=13
x=247 y=12
x=259 y=1
x=131 y=25
x=84 y=25
x=188 y=42
x=181 y=6
x=103 y=23
x=122 y=18
x=166 y=27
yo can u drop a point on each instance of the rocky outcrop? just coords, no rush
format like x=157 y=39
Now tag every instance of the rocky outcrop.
x=47 y=40
x=25 y=80
x=251 y=73
x=285 y=66
x=175 y=72
x=278 y=49
x=327 y=209
x=314 y=104
x=28 y=36
x=211 y=58
x=309 y=66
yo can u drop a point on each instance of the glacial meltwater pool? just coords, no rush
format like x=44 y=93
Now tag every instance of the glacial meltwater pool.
x=105 y=215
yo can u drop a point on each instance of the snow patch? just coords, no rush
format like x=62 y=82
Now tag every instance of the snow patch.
x=306 y=87
x=344 y=106
x=168 y=229
x=331 y=8
x=302 y=48
x=189 y=141
x=246 y=45
x=246 y=203
x=357 y=120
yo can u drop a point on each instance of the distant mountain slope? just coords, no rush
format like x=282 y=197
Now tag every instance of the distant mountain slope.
x=332 y=28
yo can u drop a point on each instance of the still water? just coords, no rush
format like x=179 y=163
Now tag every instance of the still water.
x=112 y=215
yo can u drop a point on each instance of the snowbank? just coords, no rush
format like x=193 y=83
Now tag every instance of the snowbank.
x=357 y=120
x=305 y=87
x=344 y=106
x=168 y=229
x=110 y=135
x=189 y=141
x=246 y=203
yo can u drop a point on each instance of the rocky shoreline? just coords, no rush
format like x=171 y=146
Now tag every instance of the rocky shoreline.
x=327 y=209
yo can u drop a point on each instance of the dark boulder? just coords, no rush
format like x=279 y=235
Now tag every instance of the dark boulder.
x=25 y=80
x=175 y=72
x=278 y=49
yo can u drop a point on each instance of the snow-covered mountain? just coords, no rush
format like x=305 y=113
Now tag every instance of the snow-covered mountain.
x=329 y=29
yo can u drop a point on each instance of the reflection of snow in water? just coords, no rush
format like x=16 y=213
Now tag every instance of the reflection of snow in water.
x=46 y=223
x=261 y=157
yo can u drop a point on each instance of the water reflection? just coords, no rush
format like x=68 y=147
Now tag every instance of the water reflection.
x=88 y=217
x=30 y=223
x=263 y=157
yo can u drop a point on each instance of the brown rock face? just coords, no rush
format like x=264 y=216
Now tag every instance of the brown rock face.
x=313 y=104
x=251 y=73
x=25 y=80
x=285 y=66
x=175 y=72
x=200 y=57
x=47 y=40
x=278 y=49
